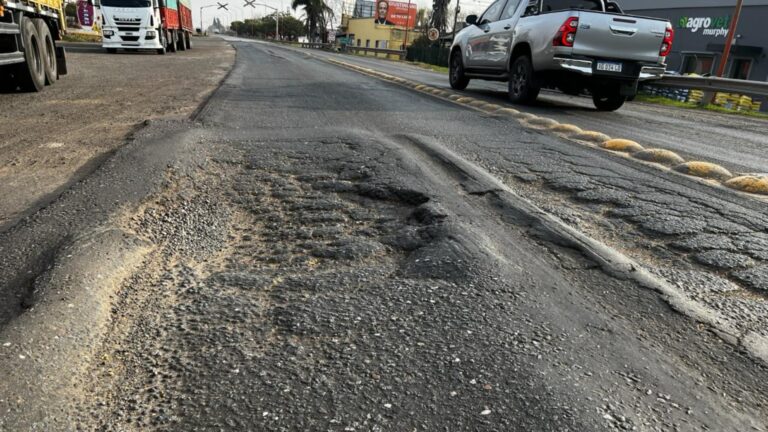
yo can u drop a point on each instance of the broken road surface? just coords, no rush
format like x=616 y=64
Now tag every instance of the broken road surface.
x=314 y=253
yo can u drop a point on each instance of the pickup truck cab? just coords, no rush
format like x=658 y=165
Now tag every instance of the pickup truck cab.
x=577 y=46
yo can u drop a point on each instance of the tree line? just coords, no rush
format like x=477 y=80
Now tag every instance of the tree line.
x=290 y=27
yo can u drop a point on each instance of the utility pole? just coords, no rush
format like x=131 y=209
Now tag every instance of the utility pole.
x=407 y=25
x=456 y=18
x=729 y=40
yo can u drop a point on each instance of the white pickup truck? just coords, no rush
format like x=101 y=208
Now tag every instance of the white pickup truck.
x=577 y=46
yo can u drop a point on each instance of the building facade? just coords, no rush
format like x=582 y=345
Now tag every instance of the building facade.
x=701 y=27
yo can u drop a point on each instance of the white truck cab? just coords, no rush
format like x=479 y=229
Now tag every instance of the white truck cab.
x=132 y=24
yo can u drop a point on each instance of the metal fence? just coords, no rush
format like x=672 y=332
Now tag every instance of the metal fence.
x=434 y=55
x=712 y=84
x=376 y=52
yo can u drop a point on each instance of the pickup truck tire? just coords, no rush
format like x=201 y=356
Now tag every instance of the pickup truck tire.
x=608 y=101
x=48 y=51
x=456 y=76
x=523 y=87
x=30 y=75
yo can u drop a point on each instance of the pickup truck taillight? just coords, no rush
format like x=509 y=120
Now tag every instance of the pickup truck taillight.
x=567 y=33
x=666 y=46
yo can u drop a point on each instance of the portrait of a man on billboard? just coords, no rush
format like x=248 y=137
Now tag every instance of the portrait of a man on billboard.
x=382 y=9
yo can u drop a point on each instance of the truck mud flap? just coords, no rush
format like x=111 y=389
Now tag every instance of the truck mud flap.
x=61 y=60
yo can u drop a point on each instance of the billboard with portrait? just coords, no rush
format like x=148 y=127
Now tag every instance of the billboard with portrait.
x=395 y=13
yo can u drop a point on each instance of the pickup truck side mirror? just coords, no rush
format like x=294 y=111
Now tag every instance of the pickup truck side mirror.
x=471 y=19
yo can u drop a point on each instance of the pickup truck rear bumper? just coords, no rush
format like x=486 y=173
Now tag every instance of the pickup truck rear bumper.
x=586 y=67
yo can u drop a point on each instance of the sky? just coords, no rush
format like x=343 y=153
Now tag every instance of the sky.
x=237 y=11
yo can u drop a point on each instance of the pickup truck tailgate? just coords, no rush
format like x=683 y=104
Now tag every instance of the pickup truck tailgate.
x=619 y=37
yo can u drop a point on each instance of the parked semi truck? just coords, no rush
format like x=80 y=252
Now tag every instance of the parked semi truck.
x=162 y=25
x=29 y=55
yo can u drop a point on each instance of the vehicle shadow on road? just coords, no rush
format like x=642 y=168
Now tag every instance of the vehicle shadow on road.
x=497 y=96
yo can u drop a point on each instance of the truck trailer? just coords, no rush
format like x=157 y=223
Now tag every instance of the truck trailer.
x=30 y=57
x=161 y=25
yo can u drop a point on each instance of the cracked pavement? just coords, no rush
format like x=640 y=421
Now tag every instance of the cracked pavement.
x=300 y=263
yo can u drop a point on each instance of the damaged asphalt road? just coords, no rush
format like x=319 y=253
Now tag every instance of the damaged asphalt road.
x=297 y=260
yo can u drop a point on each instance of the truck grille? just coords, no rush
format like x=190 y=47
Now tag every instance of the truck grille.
x=130 y=22
x=129 y=38
x=128 y=29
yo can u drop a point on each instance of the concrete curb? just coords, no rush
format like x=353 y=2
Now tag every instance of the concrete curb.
x=749 y=184
x=656 y=157
x=622 y=145
x=660 y=156
x=566 y=129
x=704 y=170
x=540 y=122
x=592 y=137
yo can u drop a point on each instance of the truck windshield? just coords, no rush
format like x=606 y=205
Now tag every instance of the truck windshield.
x=558 y=5
x=126 y=3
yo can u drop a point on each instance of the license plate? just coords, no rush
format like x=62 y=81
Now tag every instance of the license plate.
x=609 y=66
x=129 y=34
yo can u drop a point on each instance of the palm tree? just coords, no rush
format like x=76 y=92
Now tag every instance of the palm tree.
x=316 y=13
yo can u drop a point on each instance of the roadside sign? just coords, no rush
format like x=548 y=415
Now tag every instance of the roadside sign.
x=331 y=36
x=433 y=34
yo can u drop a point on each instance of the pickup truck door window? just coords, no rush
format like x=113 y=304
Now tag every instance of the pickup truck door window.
x=532 y=8
x=501 y=34
x=480 y=40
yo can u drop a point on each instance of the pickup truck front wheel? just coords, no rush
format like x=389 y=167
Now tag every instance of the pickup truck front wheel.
x=608 y=101
x=523 y=87
x=456 y=76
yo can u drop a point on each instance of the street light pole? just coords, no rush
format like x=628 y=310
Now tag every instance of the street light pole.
x=729 y=40
x=407 y=24
x=202 y=26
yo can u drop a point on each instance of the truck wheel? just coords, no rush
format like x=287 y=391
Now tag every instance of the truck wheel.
x=48 y=51
x=608 y=101
x=456 y=76
x=31 y=74
x=182 y=42
x=523 y=87
x=188 y=37
x=163 y=43
x=173 y=42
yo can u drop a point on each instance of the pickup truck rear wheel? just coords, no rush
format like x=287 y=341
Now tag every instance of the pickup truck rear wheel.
x=608 y=101
x=523 y=87
x=456 y=76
